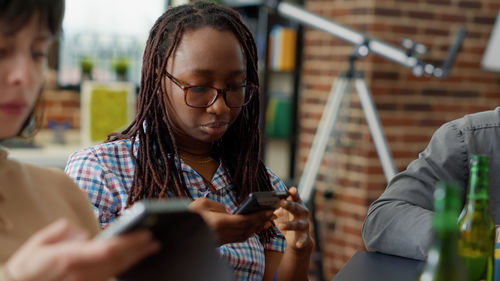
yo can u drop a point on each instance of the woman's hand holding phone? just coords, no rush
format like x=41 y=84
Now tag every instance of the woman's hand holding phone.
x=293 y=221
x=230 y=228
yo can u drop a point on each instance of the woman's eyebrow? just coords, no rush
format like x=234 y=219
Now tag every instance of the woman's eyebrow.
x=46 y=36
x=209 y=71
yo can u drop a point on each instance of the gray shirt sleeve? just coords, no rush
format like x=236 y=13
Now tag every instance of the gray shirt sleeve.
x=399 y=222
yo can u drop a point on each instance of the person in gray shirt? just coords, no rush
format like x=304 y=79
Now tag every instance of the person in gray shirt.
x=399 y=221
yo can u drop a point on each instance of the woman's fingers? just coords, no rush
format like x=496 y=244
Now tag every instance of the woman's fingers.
x=54 y=254
x=294 y=193
x=304 y=242
x=229 y=227
x=297 y=209
x=57 y=231
x=295 y=225
x=293 y=221
x=254 y=223
x=118 y=253
x=258 y=217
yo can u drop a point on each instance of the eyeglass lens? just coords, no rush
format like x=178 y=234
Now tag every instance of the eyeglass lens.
x=205 y=96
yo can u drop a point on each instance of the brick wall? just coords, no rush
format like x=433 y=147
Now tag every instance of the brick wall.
x=410 y=108
x=60 y=105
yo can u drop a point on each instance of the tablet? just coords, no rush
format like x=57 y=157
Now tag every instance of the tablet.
x=188 y=250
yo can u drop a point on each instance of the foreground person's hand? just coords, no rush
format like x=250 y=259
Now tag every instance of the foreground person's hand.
x=64 y=253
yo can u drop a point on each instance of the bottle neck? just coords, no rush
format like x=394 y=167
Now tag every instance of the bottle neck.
x=478 y=195
x=474 y=204
x=478 y=184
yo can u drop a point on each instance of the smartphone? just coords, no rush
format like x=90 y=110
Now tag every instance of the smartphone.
x=262 y=200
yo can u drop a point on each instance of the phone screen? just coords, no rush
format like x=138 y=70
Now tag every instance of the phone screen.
x=263 y=200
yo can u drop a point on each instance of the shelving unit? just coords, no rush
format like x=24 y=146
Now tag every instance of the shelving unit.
x=279 y=153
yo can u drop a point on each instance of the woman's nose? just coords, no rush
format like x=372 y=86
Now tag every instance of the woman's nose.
x=19 y=70
x=219 y=106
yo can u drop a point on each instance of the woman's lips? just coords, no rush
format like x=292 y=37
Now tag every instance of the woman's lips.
x=215 y=128
x=14 y=109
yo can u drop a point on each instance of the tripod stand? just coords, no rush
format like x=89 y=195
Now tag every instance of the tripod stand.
x=364 y=45
x=326 y=125
x=329 y=119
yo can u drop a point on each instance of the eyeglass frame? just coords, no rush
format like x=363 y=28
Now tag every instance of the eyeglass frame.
x=222 y=92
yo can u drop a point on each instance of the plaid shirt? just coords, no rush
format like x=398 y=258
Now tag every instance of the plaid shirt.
x=106 y=172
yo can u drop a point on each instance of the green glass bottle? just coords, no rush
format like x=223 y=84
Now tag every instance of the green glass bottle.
x=476 y=228
x=443 y=262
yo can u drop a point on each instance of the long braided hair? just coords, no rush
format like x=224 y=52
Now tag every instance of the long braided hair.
x=157 y=172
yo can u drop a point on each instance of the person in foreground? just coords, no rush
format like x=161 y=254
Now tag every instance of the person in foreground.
x=45 y=221
x=196 y=135
x=399 y=222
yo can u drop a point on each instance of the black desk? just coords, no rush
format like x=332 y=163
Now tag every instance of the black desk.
x=370 y=266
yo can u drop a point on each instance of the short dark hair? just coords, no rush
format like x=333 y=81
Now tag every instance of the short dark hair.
x=14 y=15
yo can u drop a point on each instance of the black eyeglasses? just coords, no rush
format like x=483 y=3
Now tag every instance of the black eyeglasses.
x=205 y=96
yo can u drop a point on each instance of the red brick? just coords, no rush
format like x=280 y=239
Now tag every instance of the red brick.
x=493 y=6
x=374 y=170
x=421 y=15
x=340 y=12
x=484 y=20
x=398 y=122
x=385 y=75
x=468 y=64
x=437 y=32
x=439 y=2
x=387 y=12
x=482 y=80
x=470 y=4
x=377 y=27
x=352 y=230
x=386 y=106
x=360 y=11
x=453 y=18
x=474 y=34
x=402 y=153
x=405 y=29
x=417 y=107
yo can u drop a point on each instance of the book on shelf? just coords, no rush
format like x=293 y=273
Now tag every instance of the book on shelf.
x=282 y=44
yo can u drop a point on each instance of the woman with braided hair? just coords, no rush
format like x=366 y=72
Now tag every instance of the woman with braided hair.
x=196 y=135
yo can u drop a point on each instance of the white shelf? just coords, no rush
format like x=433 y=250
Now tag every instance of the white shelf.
x=277 y=156
x=48 y=154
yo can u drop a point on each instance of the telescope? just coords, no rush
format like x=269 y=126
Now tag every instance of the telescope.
x=364 y=45
x=403 y=57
